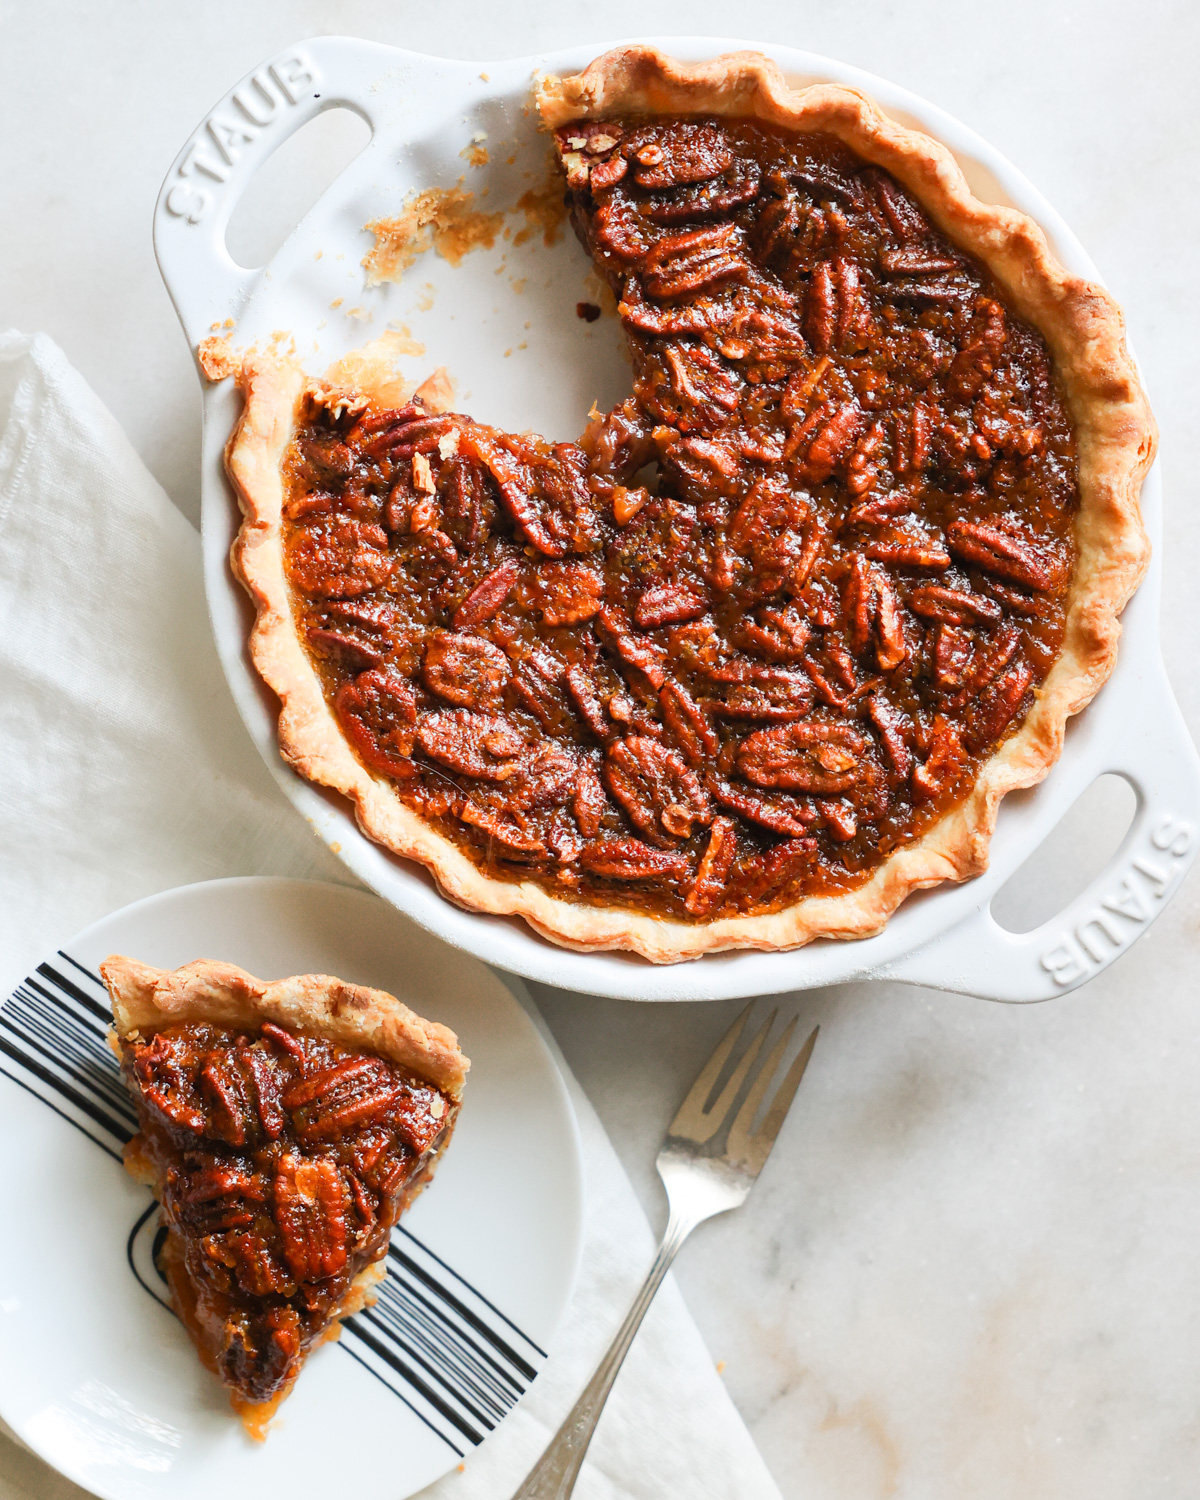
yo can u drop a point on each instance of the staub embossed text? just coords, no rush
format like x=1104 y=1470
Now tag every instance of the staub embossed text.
x=220 y=142
x=1144 y=883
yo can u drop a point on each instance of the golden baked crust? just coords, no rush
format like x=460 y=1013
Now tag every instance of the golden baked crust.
x=145 y=998
x=1116 y=439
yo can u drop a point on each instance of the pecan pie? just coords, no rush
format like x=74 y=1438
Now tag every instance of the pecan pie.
x=285 y=1128
x=761 y=652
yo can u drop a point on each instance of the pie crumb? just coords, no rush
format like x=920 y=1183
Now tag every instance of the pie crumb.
x=445 y=218
x=475 y=153
x=217 y=359
x=436 y=391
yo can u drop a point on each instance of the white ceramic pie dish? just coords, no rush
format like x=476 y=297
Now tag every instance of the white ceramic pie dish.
x=503 y=323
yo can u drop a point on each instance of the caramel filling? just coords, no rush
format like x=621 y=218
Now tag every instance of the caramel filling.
x=762 y=625
x=281 y=1162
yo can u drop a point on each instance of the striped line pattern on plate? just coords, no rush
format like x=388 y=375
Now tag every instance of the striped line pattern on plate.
x=451 y=1356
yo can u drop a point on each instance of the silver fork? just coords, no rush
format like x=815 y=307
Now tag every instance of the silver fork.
x=700 y=1183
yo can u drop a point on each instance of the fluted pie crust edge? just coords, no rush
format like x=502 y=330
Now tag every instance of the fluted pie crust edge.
x=1116 y=438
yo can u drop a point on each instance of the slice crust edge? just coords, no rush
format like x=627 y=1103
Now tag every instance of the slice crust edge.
x=352 y=1015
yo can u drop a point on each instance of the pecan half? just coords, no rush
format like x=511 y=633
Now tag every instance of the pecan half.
x=228 y=1089
x=354 y=1091
x=776 y=695
x=776 y=529
x=977 y=360
x=688 y=722
x=357 y=654
x=338 y=558
x=487 y=596
x=894 y=731
x=872 y=614
x=548 y=499
x=588 y=802
x=630 y=859
x=899 y=213
x=943 y=762
x=770 y=871
x=632 y=650
x=467 y=501
x=587 y=701
x=916 y=260
x=778 y=634
x=310 y=1214
x=833 y=303
x=536 y=685
x=908 y=552
x=781 y=814
x=830 y=442
x=912 y=435
x=953 y=650
x=500 y=827
x=709 y=885
x=694 y=390
x=464 y=669
x=401 y=434
x=477 y=745
x=668 y=604
x=706 y=200
x=378 y=713
x=548 y=777
x=997 y=706
x=954 y=606
x=218 y=1197
x=821 y=758
x=1005 y=553
x=680 y=265
x=681 y=152
x=563 y=593
x=656 y=787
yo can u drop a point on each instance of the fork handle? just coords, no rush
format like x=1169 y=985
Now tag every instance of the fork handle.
x=553 y=1476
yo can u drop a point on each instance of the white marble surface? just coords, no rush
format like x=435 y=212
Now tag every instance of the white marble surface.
x=970 y=1268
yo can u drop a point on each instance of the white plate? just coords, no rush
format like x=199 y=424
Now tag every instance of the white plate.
x=96 y=1374
x=423 y=113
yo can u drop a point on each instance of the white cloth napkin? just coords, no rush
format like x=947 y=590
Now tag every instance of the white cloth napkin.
x=124 y=770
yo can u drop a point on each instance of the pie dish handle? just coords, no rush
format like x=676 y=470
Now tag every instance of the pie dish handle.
x=234 y=139
x=1155 y=754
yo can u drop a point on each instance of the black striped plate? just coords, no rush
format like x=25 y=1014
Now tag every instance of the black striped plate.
x=95 y=1372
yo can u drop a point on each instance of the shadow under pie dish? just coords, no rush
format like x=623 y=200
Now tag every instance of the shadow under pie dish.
x=284 y=1128
x=762 y=652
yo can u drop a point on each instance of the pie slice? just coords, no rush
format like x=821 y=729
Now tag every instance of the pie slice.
x=760 y=653
x=285 y=1127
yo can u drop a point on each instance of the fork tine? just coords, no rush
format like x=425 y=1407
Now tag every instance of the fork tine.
x=690 y=1115
x=739 y=1131
x=694 y=1122
x=720 y=1110
x=782 y=1101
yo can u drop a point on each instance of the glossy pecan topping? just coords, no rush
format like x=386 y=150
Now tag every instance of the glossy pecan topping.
x=283 y=1162
x=763 y=623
